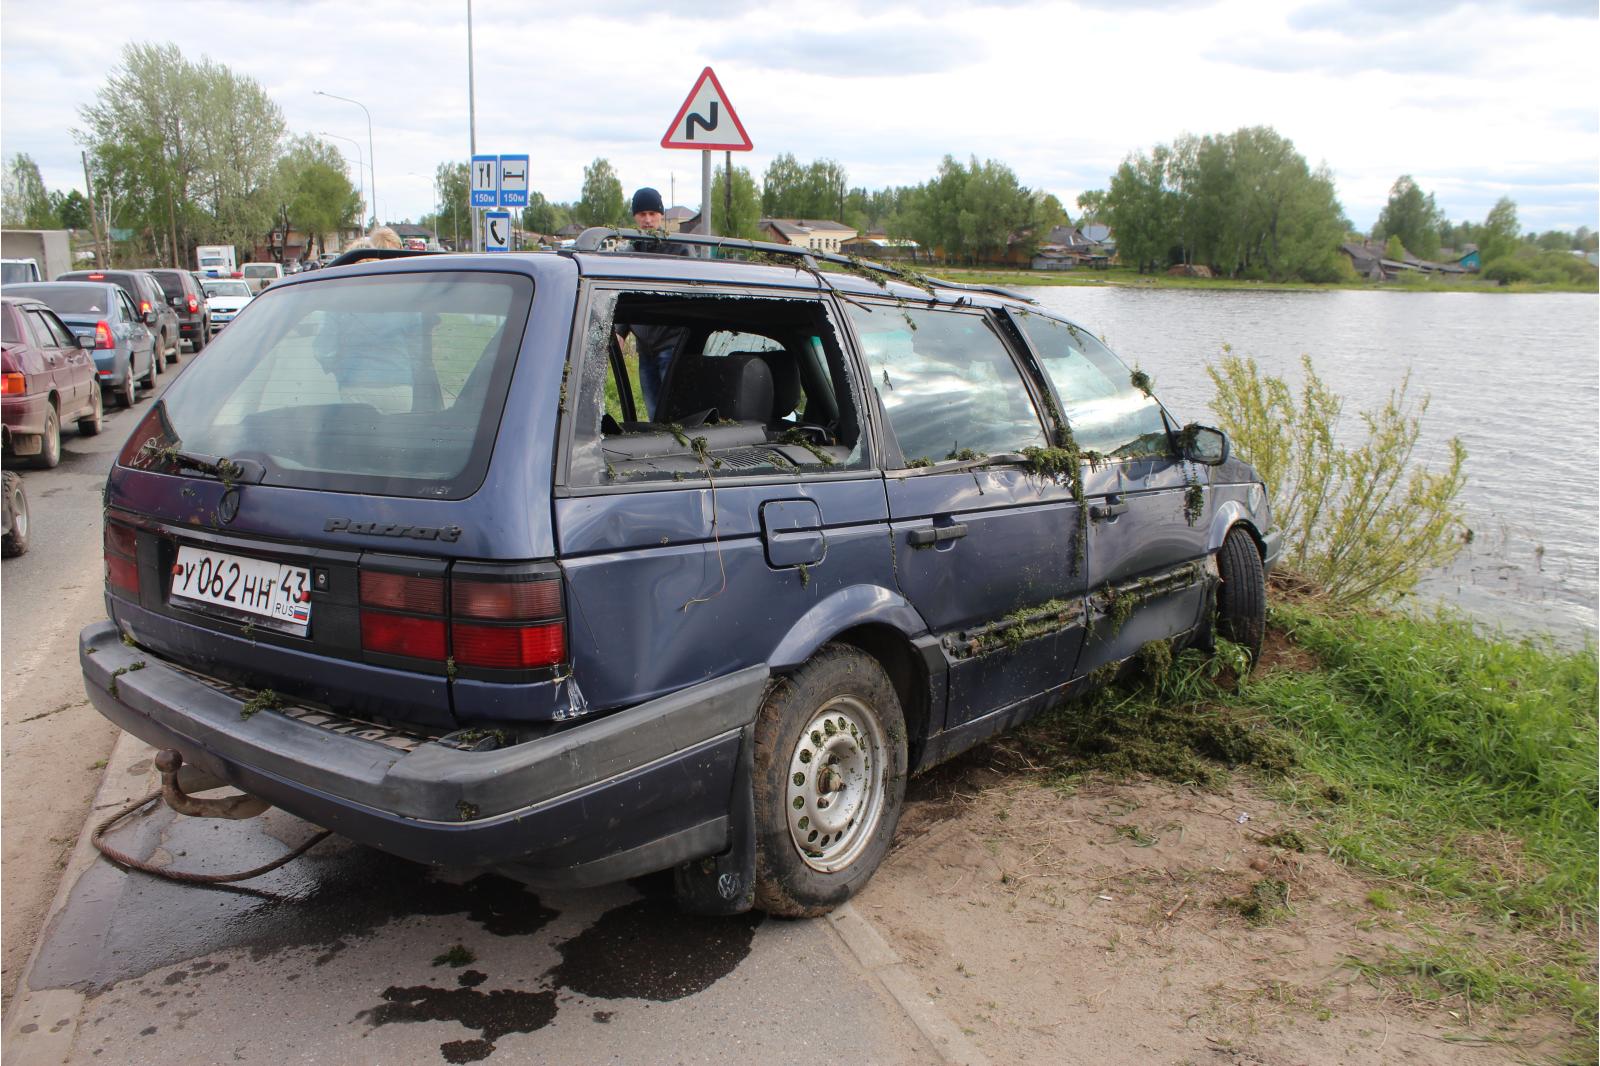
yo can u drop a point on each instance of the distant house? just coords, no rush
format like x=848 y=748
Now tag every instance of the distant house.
x=877 y=244
x=1371 y=261
x=817 y=234
x=673 y=219
x=570 y=231
x=1069 y=247
x=410 y=236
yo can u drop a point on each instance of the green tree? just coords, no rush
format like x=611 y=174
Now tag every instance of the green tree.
x=601 y=203
x=452 y=185
x=1412 y=216
x=71 y=209
x=781 y=188
x=1394 y=248
x=1092 y=203
x=1499 y=236
x=24 y=201
x=543 y=215
x=1144 y=209
x=995 y=208
x=745 y=218
x=184 y=150
x=315 y=189
x=1051 y=211
x=935 y=217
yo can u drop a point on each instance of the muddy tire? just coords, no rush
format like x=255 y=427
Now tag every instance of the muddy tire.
x=128 y=391
x=830 y=778
x=49 y=456
x=90 y=425
x=1242 y=596
x=15 y=542
x=149 y=379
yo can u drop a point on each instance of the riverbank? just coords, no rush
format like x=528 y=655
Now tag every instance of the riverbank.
x=1127 y=276
x=1392 y=814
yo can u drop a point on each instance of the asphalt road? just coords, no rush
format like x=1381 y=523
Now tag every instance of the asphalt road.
x=345 y=955
x=52 y=738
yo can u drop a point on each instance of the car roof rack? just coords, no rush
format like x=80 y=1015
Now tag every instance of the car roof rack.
x=590 y=241
x=361 y=255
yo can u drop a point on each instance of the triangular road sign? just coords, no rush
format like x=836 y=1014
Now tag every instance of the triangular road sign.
x=707 y=121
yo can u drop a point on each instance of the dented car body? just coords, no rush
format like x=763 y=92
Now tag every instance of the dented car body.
x=405 y=553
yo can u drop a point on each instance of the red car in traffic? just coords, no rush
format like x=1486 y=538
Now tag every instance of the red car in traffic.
x=46 y=377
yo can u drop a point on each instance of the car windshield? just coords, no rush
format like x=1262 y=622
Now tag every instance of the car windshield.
x=227 y=288
x=15 y=272
x=69 y=299
x=387 y=385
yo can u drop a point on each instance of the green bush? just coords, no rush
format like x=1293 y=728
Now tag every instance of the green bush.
x=1359 y=518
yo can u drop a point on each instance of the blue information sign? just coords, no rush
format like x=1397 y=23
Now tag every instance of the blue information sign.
x=485 y=181
x=497 y=231
x=513 y=181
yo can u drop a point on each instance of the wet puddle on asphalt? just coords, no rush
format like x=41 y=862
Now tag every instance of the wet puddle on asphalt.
x=120 y=927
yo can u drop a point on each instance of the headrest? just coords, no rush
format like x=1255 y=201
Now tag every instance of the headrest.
x=785 y=382
x=739 y=386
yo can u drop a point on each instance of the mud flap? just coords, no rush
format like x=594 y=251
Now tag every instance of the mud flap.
x=726 y=883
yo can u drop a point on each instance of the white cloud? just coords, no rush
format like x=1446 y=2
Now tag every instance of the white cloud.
x=1475 y=99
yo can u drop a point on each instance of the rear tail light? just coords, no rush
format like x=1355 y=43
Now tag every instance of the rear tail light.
x=482 y=617
x=144 y=307
x=194 y=304
x=102 y=335
x=13 y=384
x=122 y=558
x=236 y=274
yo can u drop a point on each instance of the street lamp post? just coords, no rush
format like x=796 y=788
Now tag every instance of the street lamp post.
x=370 y=153
x=361 y=174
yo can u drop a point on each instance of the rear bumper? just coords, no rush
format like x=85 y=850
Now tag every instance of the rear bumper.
x=24 y=415
x=636 y=791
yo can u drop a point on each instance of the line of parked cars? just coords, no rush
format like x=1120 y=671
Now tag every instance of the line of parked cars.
x=86 y=339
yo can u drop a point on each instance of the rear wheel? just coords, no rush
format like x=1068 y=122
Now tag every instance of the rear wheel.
x=1242 y=597
x=830 y=777
x=128 y=391
x=149 y=379
x=89 y=426
x=174 y=345
x=50 y=444
x=15 y=542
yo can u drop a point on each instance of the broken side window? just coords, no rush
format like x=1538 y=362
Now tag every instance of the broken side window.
x=1107 y=413
x=946 y=382
x=749 y=386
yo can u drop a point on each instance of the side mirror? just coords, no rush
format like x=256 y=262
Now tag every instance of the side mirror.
x=1203 y=445
x=86 y=343
x=149 y=317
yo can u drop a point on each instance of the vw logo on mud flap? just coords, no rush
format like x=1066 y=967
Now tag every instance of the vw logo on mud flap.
x=228 y=506
x=728 y=886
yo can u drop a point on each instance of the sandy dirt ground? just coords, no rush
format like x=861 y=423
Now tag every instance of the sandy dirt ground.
x=1092 y=926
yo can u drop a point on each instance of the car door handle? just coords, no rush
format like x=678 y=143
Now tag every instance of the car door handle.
x=1098 y=511
x=922 y=538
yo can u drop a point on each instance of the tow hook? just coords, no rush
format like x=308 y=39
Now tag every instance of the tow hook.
x=178 y=780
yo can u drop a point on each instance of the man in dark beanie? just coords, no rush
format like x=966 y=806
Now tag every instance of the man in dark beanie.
x=647 y=209
x=655 y=343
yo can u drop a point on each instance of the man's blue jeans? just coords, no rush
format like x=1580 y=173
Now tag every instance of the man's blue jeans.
x=653 y=375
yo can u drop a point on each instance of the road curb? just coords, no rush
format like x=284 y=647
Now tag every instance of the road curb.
x=885 y=966
x=42 y=1023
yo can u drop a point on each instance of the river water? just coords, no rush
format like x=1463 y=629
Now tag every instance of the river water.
x=1516 y=377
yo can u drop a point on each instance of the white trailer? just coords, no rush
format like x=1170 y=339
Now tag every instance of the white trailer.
x=216 y=260
x=50 y=250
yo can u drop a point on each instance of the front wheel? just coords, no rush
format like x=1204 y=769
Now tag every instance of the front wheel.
x=830 y=778
x=1242 y=597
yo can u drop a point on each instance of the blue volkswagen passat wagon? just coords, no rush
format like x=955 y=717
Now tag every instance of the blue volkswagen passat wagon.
x=407 y=553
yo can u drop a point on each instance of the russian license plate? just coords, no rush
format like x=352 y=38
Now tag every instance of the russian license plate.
x=254 y=590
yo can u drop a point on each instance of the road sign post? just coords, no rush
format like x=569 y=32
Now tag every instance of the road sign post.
x=497 y=231
x=706 y=123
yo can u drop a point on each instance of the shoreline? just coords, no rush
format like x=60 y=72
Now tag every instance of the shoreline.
x=1126 y=278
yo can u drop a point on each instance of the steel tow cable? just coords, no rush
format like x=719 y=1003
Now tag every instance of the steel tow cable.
x=185 y=876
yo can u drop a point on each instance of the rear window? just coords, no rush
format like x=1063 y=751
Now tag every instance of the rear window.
x=171 y=281
x=260 y=270
x=8 y=328
x=69 y=299
x=389 y=385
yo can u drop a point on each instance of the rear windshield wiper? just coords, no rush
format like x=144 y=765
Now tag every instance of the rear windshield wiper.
x=220 y=467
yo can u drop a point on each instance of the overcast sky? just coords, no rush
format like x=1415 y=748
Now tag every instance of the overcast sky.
x=1475 y=100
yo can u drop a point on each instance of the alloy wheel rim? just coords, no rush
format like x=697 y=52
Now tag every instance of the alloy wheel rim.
x=834 y=795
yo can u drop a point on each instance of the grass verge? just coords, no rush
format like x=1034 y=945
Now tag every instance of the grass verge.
x=1459 y=767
